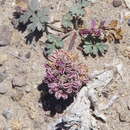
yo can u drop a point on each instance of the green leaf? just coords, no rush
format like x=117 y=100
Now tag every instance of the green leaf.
x=95 y=50
x=83 y=3
x=24 y=18
x=31 y=27
x=88 y=49
x=87 y=43
x=49 y=49
x=43 y=15
x=59 y=44
x=67 y=21
x=39 y=26
x=51 y=38
x=105 y=47
x=54 y=42
x=34 y=5
x=34 y=19
x=45 y=11
x=57 y=41
x=77 y=10
x=102 y=47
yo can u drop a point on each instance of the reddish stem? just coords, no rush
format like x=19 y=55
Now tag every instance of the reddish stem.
x=72 y=42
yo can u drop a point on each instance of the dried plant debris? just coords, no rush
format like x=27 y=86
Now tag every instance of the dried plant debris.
x=53 y=43
x=34 y=19
x=22 y=4
x=64 y=77
x=112 y=31
x=126 y=52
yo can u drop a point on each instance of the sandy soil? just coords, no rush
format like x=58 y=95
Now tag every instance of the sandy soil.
x=25 y=110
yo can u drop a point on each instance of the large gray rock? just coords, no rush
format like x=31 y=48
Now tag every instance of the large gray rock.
x=78 y=115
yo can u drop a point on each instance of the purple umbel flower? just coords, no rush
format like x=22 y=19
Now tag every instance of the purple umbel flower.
x=93 y=31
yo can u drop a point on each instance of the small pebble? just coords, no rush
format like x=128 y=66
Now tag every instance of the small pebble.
x=37 y=125
x=3 y=76
x=128 y=22
x=117 y=3
x=19 y=81
x=28 y=55
x=17 y=96
x=28 y=89
x=3 y=90
x=3 y=58
x=128 y=104
x=7 y=128
x=5 y=35
x=8 y=113
x=124 y=116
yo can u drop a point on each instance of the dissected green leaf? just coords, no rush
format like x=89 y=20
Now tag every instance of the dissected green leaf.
x=95 y=50
x=31 y=27
x=73 y=18
x=43 y=15
x=45 y=11
x=49 y=49
x=59 y=44
x=34 y=18
x=39 y=26
x=34 y=5
x=77 y=10
x=57 y=41
x=102 y=47
x=25 y=17
x=53 y=43
x=87 y=43
x=67 y=21
x=90 y=48
x=83 y=3
x=51 y=38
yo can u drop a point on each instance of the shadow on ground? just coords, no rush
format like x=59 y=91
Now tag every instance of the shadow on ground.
x=35 y=35
x=50 y=103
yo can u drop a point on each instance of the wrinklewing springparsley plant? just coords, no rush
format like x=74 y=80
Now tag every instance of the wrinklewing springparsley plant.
x=93 y=43
x=64 y=75
x=73 y=19
x=53 y=43
x=35 y=18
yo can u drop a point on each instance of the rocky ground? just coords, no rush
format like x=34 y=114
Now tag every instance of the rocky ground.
x=22 y=69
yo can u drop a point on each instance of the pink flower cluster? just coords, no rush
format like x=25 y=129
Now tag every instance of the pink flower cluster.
x=93 y=31
x=64 y=76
